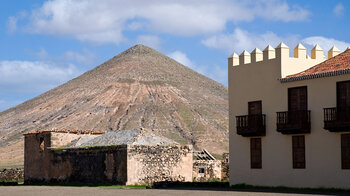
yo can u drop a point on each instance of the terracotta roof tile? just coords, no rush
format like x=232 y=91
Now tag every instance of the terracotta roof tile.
x=93 y=132
x=337 y=65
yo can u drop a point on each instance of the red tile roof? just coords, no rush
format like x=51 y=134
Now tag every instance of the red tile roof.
x=337 y=65
x=93 y=132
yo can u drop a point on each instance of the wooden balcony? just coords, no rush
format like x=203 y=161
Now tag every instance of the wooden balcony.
x=294 y=122
x=337 y=119
x=251 y=125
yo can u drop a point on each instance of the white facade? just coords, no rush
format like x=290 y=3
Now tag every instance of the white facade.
x=253 y=80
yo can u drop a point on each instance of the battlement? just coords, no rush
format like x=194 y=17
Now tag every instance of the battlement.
x=280 y=52
x=280 y=58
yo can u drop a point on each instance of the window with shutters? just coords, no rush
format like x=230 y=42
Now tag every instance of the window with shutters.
x=343 y=102
x=297 y=119
x=255 y=153
x=345 y=151
x=253 y=124
x=337 y=119
x=298 y=143
x=343 y=94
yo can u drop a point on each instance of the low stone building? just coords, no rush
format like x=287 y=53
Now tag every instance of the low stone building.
x=117 y=157
x=205 y=166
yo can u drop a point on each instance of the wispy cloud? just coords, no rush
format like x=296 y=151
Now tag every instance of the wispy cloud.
x=241 y=40
x=85 y=57
x=33 y=76
x=149 y=40
x=338 y=10
x=215 y=72
x=325 y=43
x=103 y=21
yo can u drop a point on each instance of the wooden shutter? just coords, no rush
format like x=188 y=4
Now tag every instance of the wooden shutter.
x=343 y=94
x=298 y=143
x=255 y=153
x=297 y=98
x=345 y=151
x=254 y=108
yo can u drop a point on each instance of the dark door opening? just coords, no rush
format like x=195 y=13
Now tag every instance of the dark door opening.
x=297 y=98
x=254 y=108
x=343 y=100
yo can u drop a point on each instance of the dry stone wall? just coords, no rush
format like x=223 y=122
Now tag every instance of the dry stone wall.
x=11 y=174
x=94 y=165
x=204 y=170
x=147 y=164
x=225 y=164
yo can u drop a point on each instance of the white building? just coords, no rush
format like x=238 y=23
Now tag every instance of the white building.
x=290 y=118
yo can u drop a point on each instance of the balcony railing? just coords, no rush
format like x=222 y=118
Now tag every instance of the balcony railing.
x=251 y=125
x=294 y=122
x=337 y=119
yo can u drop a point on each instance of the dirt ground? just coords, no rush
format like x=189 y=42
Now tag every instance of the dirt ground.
x=79 y=191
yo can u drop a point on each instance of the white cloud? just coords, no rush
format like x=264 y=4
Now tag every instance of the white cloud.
x=11 y=24
x=325 y=43
x=241 y=40
x=182 y=58
x=85 y=58
x=149 y=40
x=103 y=21
x=214 y=72
x=338 y=10
x=33 y=77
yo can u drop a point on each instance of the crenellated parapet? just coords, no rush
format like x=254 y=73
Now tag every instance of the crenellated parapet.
x=280 y=52
x=281 y=60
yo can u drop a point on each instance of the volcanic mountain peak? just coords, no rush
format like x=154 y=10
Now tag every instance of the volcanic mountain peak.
x=140 y=49
x=138 y=88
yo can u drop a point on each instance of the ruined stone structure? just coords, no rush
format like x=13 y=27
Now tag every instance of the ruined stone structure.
x=117 y=157
x=205 y=167
x=225 y=167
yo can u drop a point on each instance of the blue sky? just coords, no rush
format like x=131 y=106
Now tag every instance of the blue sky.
x=46 y=43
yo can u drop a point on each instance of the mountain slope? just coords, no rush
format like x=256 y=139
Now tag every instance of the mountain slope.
x=138 y=88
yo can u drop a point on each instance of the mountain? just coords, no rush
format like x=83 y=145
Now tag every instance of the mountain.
x=138 y=88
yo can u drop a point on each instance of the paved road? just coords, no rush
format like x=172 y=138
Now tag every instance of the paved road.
x=82 y=191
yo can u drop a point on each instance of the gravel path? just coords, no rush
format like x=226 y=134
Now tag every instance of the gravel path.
x=80 y=191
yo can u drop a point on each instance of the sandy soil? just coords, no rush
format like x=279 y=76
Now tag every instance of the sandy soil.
x=79 y=191
x=12 y=156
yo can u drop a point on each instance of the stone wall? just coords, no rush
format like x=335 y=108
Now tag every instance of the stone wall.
x=204 y=170
x=36 y=156
x=95 y=165
x=147 y=164
x=11 y=174
x=122 y=164
x=225 y=171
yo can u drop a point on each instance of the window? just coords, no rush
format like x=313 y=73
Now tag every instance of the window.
x=345 y=151
x=254 y=108
x=343 y=94
x=255 y=153
x=297 y=98
x=42 y=143
x=201 y=170
x=298 y=152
